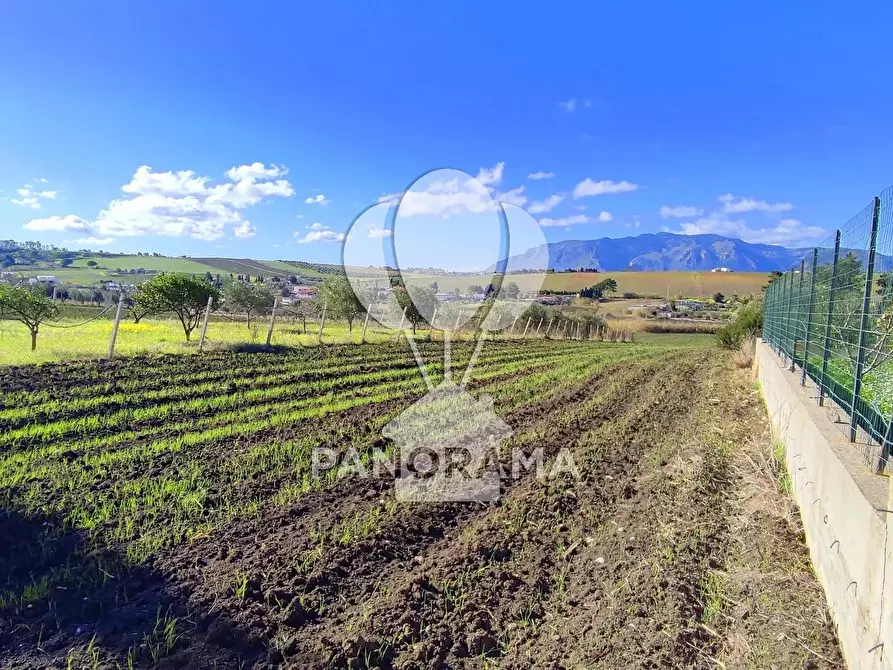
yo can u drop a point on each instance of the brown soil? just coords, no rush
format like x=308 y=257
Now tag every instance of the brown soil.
x=674 y=548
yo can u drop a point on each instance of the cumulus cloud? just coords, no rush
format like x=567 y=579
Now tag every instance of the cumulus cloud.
x=376 y=232
x=318 y=232
x=92 y=241
x=58 y=224
x=680 y=212
x=29 y=197
x=574 y=220
x=546 y=205
x=536 y=176
x=451 y=197
x=589 y=187
x=786 y=231
x=568 y=105
x=245 y=230
x=732 y=204
x=513 y=197
x=318 y=199
x=181 y=204
x=491 y=176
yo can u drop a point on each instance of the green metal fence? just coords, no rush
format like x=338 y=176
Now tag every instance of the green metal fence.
x=831 y=317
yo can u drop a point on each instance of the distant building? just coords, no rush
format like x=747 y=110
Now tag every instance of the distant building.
x=44 y=279
x=303 y=291
x=110 y=285
x=722 y=270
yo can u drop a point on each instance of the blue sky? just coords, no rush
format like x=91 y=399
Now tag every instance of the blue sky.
x=769 y=121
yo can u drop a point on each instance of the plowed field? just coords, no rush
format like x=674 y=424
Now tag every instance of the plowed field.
x=164 y=512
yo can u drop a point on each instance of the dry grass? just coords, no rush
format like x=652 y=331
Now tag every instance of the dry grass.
x=743 y=358
x=639 y=325
x=776 y=611
x=674 y=284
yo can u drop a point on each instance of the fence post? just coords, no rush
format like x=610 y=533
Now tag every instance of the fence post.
x=512 y=329
x=115 y=326
x=526 y=327
x=431 y=325
x=778 y=330
x=799 y=313
x=537 y=333
x=402 y=320
x=815 y=261
x=548 y=328
x=863 y=324
x=272 y=321
x=201 y=339
x=788 y=289
x=365 y=325
x=322 y=321
x=826 y=353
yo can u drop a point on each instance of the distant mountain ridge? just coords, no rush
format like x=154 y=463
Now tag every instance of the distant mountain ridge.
x=659 y=251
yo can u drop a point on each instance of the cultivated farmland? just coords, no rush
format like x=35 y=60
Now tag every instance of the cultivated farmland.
x=163 y=512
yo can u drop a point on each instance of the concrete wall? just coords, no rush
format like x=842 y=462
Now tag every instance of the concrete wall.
x=845 y=511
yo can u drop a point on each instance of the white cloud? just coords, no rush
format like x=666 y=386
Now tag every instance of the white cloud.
x=181 y=204
x=546 y=205
x=514 y=197
x=536 y=176
x=256 y=171
x=491 y=176
x=785 y=231
x=580 y=208
x=58 y=224
x=376 y=232
x=318 y=199
x=458 y=195
x=574 y=220
x=588 y=187
x=679 y=212
x=732 y=204
x=31 y=198
x=245 y=230
x=319 y=233
x=322 y=236
x=568 y=105
x=92 y=241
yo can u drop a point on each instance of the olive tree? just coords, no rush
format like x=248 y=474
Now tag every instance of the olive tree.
x=27 y=305
x=180 y=293
x=248 y=298
x=417 y=300
x=340 y=300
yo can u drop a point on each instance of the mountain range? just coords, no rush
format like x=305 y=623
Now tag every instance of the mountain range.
x=659 y=251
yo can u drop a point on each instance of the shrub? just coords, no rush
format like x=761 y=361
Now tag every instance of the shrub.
x=748 y=323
